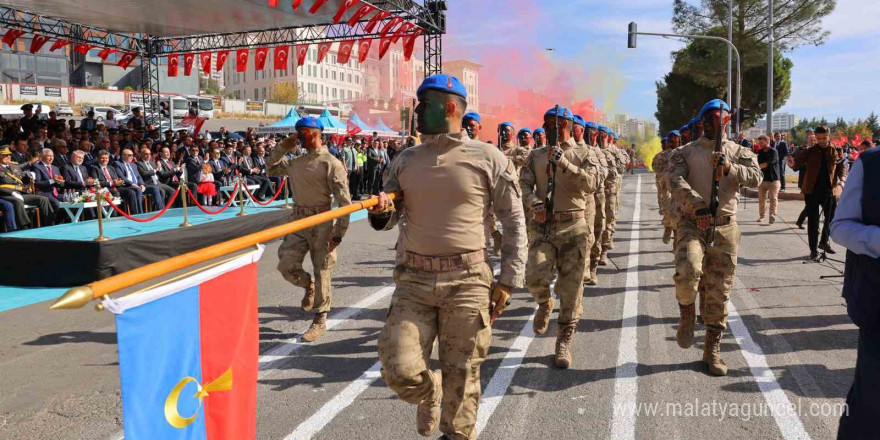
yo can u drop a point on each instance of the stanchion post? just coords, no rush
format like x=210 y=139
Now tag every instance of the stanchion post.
x=100 y=198
x=242 y=187
x=284 y=182
x=183 y=194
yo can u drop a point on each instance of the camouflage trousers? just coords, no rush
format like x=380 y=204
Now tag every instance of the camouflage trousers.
x=663 y=199
x=598 y=229
x=565 y=252
x=452 y=307
x=708 y=268
x=293 y=251
x=611 y=193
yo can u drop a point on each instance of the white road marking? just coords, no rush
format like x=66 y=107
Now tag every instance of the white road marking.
x=623 y=426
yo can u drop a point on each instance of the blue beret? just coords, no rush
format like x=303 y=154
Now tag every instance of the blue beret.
x=592 y=125
x=674 y=133
x=524 y=130
x=443 y=83
x=472 y=115
x=539 y=130
x=309 y=122
x=809 y=130
x=616 y=137
x=603 y=129
x=685 y=127
x=664 y=139
x=611 y=131
x=579 y=120
x=715 y=104
x=506 y=124
x=564 y=113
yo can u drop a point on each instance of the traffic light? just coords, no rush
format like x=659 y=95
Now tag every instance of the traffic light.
x=633 y=30
x=163 y=109
x=740 y=115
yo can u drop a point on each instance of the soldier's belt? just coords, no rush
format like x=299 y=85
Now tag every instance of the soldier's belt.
x=444 y=263
x=722 y=220
x=568 y=215
x=310 y=210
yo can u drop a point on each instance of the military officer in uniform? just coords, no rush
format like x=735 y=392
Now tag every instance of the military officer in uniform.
x=614 y=173
x=685 y=132
x=317 y=180
x=540 y=138
x=472 y=124
x=581 y=138
x=517 y=153
x=13 y=190
x=444 y=285
x=659 y=164
x=558 y=239
x=524 y=138
x=691 y=170
x=592 y=138
x=622 y=161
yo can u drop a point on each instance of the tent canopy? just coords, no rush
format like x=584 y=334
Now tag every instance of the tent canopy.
x=384 y=129
x=289 y=120
x=356 y=120
x=331 y=124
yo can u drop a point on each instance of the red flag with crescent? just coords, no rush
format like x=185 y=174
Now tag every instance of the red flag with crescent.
x=280 y=58
x=83 y=48
x=58 y=44
x=173 y=62
x=301 y=51
x=409 y=43
x=11 y=36
x=188 y=60
x=362 y=12
x=404 y=28
x=317 y=5
x=126 y=59
x=344 y=51
x=343 y=8
x=260 y=55
x=384 y=45
x=323 y=50
x=296 y=4
x=222 y=55
x=390 y=25
x=205 y=61
x=352 y=128
x=364 y=49
x=380 y=15
x=241 y=60
x=104 y=53
x=273 y=3
x=38 y=42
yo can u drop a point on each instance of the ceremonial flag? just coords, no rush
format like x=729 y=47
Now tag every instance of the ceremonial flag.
x=317 y=5
x=221 y=59
x=173 y=62
x=364 y=49
x=352 y=128
x=241 y=59
x=205 y=60
x=362 y=12
x=301 y=51
x=323 y=50
x=390 y=25
x=401 y=30
x=343 y=8
x=37 y=42
x=188 y=60
x=384 y=45
x=192 y=123
x=11 y=36
x=296 y=4
x=83 y=48
x=260 y=57
x=104 y=53
x=273 y=3
x=126 y=59
x=410 y=43
x=189 y=353
x=344 y=51
x=380 y=15
x=58 y=44
x=280 y=58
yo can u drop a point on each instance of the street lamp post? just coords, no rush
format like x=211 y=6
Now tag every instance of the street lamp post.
x=770 y=74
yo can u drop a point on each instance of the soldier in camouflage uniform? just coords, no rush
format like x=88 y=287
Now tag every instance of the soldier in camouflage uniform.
x=314 y=178
x=540 y=138
x=659 y=164
x=611 y=191
x=524 y=138
x=558 y=239
x=691 y=169
x=581 y=134
x=622 y=160
x=444 y=286
x=518 y=154
x=472 y=124
x=592 y=136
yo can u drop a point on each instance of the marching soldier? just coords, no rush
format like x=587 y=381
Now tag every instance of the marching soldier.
x=685 y=132
x=611 y=184
x=471 y=123
x=691 y=170
x=559 y=233
x=659 y=164
x=622 y=161
x=524 y=137
x=592 y=136
x=581 y=138
x=445 y=288
x=517 y=154
x=540 y=138
x=317 y=180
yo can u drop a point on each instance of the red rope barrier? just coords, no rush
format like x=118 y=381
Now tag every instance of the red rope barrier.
x=222 y=208
x=267 y=203
x=143 y=220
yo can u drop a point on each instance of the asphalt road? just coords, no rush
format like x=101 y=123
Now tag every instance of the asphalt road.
x=790 y=348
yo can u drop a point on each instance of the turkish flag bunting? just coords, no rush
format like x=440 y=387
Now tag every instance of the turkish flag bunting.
x=38 y=42
x=343 y=7
x=173 y=62
x=83 y=48
x=301 y=51
x=126 y=59
x=317 y=5
x=296 y=4
x=323 y=50
x=364 y=49
x=104 y=53
x=222 y=55
x=362 y=12
x=205 y=62
x=344 y=51
x=188 y=60
x=260 y=57
x=241 y=59
x=390 y=25
x=352 y=128
x=384 y=45
x=380 y=15
x=280 y=58
x=400 y=31
x=11 y=36
x=409 y=43
x=58 y=44
x=273 y=3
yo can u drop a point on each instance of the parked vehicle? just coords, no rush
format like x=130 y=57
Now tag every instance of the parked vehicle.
x=63 y=110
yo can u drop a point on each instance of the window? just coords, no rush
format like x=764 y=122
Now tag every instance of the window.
x=349 y=94
x=334 y=75
x=357 y=79
x=256 y=94
x=334 y=93
x=264 y=93
x=349 y=78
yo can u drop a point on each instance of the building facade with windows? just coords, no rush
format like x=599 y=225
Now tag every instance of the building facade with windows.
x=468 y=72
x=18 y=65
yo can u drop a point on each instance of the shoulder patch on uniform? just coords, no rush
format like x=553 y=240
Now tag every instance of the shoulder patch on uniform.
x=677 y=157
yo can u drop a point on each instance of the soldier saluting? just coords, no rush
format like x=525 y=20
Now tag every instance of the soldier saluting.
x=444 y=284
x=697 y=258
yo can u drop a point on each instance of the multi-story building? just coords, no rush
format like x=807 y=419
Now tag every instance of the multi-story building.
x=469 y=74
x=784 y=121
x=635 y=128
x=18 y=65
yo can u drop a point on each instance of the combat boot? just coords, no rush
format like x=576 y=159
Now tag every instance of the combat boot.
x=594 y=277
x=317 y=329
x=496 y=242
x=563 y=347
x=428 y=414
x=667 y=235
x=542 y=317
x=685 y=335
x=603 y=259
x=308 y=300
x=712 y=352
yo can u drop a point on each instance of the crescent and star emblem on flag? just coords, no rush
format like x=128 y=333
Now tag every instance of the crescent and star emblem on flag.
x=172 y=415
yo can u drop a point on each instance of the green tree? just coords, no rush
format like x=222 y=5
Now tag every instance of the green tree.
x=209 y=86
x=679 y=97
x=873 y=124
x=284 y=92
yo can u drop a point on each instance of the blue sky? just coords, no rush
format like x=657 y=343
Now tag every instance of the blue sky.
x=589 y=37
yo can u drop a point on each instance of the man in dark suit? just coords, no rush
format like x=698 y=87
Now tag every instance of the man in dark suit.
x=170 y=174
x=12 y=189
x=260 y=162
x=89 y=123
x=149 y=171
x=252 y=176
x=62 y=154
x=782 y=154
x=228 y=156
x=76 y=175
x=20 y=155
x=48 y=180
x=108 y=177
x=193 y=164
x=129 y=172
